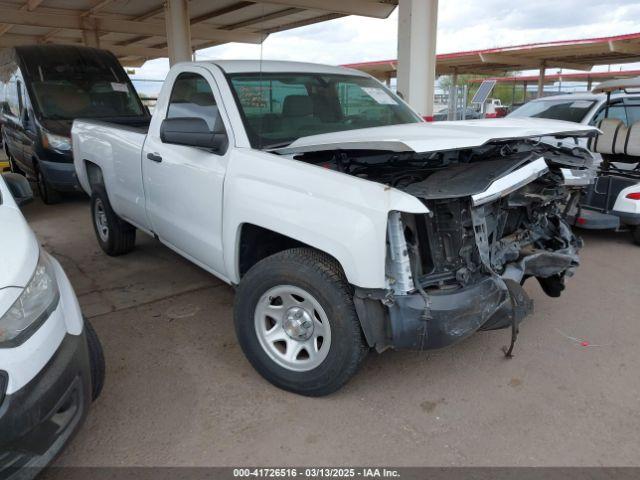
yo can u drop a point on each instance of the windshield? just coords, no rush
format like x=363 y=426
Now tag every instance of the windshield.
x=569 y=110
x=278 y=108
x=68 y=90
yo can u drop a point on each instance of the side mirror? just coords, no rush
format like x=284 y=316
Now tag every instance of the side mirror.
x=19 y=188
x=193 y=132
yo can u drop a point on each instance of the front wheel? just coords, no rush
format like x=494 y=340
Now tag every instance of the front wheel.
x=48 y=194
x=96 y=361
x=296 y=322
x=115 y=236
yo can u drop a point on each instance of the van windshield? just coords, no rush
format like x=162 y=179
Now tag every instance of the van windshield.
x=66 y=90
x=278 y=108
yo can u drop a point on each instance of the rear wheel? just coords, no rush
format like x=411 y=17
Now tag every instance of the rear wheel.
x=296 y=322
x=48 y=194
x=636 y=235
x=115 y=236
x=96 y=361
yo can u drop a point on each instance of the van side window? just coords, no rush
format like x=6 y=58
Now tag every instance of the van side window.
x=191 y=96
x=13 y=97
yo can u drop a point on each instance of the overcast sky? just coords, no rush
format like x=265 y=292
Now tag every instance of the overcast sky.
x=462 y=25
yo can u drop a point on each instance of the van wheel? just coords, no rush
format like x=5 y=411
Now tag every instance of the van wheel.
x=636 y=235
x=96 y=361
x=47 y=193
x=297 y=324
x=115 y=236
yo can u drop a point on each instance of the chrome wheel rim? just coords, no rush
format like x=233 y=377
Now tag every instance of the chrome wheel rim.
x=292 y=328
x=100 y=219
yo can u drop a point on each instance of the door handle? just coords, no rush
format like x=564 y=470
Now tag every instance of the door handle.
x=154 y=157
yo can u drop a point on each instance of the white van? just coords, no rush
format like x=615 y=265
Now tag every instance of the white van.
x=51 y=361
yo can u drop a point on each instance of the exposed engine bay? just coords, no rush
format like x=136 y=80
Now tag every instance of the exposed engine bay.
x=496 y=218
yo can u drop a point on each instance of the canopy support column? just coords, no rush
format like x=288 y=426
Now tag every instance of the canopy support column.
x=453 y=96
x=417 y=28
x=90 y=38
x=178 y=26
x=541 y=79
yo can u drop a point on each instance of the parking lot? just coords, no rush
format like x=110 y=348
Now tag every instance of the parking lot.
x=180 y=392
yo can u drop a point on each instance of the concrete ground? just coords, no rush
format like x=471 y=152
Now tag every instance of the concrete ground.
x=180 y=392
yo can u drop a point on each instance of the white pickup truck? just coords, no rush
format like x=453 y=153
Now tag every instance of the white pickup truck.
x=345 y=221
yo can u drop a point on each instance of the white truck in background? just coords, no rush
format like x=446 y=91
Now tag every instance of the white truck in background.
x=345 y=221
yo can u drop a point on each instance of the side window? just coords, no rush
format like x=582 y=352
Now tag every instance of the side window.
x=633 y=110
x=616 y=110
x=14 y=102
x=191 y=96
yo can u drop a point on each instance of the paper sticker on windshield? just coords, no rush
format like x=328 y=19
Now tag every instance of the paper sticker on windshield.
x=119 y=87
x=380 y=96
x=581 y=104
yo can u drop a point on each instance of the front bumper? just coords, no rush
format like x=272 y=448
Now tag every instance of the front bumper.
x=453 y=316
x=38 y=420
x=61 y=176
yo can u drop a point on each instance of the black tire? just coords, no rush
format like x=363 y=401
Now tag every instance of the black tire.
x=96 y=361
x=12 y=164
x=553 y=286
x=48 y=194
x=636 y=235
x=320 y=276
x=120 y=236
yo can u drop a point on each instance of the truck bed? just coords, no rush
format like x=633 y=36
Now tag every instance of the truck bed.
x=115 y=148
x=137 y=125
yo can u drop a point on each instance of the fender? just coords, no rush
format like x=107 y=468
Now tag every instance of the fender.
x=341 y=215
x=112 y=149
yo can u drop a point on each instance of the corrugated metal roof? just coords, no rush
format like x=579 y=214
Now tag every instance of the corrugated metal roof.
x=135 y=29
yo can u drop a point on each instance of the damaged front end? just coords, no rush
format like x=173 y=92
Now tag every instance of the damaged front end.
x=496 y=219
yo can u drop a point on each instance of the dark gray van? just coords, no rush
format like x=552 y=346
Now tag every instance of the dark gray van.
x=43 y=88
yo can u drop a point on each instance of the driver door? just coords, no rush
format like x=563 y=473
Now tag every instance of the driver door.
x=184 y=184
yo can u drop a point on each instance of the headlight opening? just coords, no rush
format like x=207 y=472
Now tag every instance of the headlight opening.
x=36 y=303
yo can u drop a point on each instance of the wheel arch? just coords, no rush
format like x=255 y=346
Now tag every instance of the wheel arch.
x=94 y=174
x=255 y=243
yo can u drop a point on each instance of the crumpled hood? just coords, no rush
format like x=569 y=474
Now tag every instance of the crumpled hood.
x=437 y=136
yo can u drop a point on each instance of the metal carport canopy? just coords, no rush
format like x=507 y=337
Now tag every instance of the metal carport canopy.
x=580 y=54
x=564 y=77
x=137 y=31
